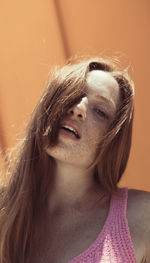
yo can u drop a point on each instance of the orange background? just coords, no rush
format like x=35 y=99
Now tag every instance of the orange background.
x=37 y=34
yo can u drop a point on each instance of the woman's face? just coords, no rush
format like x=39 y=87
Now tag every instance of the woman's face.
x=83 y=126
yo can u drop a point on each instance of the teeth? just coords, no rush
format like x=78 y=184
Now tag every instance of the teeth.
x=70 y=128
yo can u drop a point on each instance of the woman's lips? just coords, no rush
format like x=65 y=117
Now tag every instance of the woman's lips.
x=73 y=124
x=68 y=134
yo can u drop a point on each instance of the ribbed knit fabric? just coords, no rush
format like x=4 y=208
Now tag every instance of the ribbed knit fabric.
x=113 y=244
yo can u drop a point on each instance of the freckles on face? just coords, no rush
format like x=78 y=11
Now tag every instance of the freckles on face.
x=93 y=115
x=94 y=129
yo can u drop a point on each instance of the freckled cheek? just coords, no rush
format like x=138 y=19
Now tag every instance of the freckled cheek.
x=94 y=135
x=97 y=127
x=94 y=129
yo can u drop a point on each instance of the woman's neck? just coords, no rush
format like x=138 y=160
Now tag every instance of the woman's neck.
x=73 y=188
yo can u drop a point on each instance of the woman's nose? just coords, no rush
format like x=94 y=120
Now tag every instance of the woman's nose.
x=79 y=110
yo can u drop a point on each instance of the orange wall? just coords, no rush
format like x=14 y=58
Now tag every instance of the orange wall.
x=38 y=34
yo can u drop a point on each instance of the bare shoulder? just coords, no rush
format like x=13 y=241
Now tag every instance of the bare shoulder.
x=139 y=206
x=139 y=201
x=138 y=215
x=140 y=193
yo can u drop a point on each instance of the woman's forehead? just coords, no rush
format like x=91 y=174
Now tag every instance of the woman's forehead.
x=102 y=83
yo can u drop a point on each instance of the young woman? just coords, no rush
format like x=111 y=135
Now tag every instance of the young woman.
x=63 y=203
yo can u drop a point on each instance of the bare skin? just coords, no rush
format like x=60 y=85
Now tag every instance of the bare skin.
x=69 y=233
x=78 y=207
x=138 y=216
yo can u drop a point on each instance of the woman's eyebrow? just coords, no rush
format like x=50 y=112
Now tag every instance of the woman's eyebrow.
x=108 y=101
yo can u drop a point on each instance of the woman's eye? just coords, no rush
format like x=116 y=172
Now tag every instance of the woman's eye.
x=102 y=114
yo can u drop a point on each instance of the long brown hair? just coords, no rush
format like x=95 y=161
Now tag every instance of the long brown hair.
x=25 y=196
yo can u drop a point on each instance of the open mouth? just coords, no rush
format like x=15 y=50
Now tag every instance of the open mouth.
x=70 y=130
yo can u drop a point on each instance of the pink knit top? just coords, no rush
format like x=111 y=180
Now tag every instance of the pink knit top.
x=113 y=244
